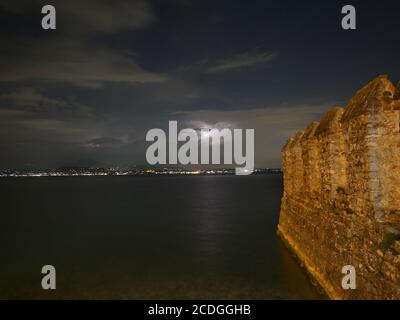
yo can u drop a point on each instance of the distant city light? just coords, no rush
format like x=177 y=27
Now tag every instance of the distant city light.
x=80 y=172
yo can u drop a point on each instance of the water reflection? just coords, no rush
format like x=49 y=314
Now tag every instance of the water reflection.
x=147 y=237
x=209 y=215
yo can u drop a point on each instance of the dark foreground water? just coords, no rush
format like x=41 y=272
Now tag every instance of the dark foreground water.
x=210 y=237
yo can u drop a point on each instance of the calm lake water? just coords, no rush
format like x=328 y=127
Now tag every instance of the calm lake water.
x=206 y=237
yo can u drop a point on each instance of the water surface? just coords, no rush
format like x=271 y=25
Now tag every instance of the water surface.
x=147 y=237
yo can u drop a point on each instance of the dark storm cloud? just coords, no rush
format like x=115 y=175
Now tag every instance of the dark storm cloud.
x=42 y=124
x=91 y=16
x=74 y=62
x=32 y=101
x=72 y=54
x=87 y=93
x=273 y=125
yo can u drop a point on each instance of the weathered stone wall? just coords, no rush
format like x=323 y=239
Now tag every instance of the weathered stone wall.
x=341 y=201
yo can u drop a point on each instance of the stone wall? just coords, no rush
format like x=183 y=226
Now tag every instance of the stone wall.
x=341 y=201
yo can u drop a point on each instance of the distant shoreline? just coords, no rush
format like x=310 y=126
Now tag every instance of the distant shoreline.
x=117 y=173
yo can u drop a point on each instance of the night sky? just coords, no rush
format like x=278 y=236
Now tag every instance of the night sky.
x=86 y=93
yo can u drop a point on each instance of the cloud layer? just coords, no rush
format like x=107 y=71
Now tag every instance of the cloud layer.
x=241 y=61
x=71 y=53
